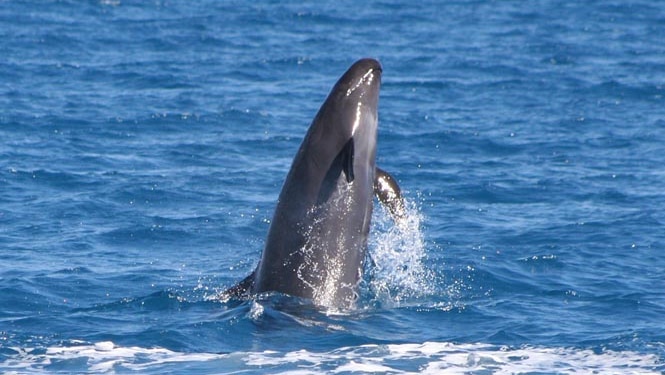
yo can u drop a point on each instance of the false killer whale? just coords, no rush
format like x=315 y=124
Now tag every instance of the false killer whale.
x=317 y=241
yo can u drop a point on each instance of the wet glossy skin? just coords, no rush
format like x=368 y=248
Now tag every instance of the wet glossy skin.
x=318 y=237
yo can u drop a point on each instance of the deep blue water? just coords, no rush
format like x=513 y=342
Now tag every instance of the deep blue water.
x=143 y=146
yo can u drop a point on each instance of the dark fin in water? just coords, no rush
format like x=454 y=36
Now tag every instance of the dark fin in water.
x=389 y=194
x=240 y=290
x=347 y=153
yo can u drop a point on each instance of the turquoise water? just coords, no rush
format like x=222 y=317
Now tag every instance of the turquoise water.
x=143 y=146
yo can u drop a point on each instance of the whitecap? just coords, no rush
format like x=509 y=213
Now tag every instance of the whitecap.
x=424 y=358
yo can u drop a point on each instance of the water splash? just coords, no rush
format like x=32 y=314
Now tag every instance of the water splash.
x=397 y=251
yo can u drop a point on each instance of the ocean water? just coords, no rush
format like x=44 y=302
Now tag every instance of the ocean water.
x=143 y=146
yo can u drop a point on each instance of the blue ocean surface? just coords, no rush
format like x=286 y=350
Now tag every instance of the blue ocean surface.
x=143 y=145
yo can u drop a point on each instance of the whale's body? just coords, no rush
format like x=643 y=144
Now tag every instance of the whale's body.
x=317 y=241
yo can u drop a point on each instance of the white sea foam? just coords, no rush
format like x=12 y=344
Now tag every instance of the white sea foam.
x=425 y=358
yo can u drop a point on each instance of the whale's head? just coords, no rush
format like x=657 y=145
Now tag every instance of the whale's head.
x=349 y=115
x=353 y=101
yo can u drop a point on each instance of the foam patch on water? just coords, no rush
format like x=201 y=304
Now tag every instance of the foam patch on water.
x=425 y=358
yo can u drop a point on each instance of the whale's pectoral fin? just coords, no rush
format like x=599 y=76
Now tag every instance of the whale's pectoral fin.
x=347 y=163
x=240 y=290
x=389 y=194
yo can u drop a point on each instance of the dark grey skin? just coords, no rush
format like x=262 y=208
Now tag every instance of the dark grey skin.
x=317 y=242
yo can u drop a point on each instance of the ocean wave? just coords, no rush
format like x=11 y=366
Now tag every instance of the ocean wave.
x=424 y=358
